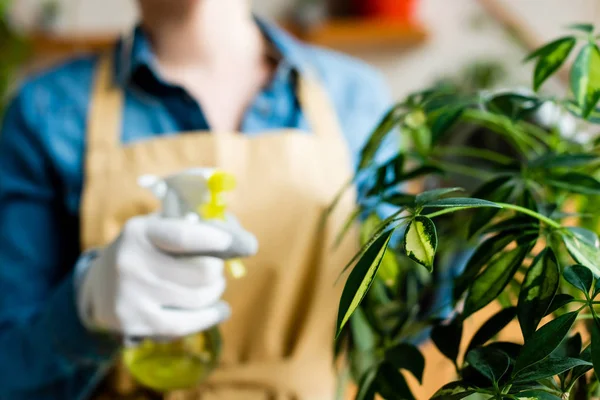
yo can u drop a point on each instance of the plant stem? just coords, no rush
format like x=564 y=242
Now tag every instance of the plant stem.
x=472 y=152
x=531 y=213
x=461 y=169
x=445 y=211
x=536 y=131
x=520 y=209
x=595 y=317
x=505 y=127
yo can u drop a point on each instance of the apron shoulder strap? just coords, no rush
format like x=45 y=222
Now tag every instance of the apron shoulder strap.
x=317 y=107
x=106 y=108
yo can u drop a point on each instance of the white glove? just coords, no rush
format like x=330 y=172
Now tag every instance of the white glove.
x=162 y=277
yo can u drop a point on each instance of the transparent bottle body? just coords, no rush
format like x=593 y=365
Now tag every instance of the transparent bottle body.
x=171 y=365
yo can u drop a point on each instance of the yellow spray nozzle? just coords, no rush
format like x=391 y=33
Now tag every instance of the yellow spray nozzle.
x=218 y=184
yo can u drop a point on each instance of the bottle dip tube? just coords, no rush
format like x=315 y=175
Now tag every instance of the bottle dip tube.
x=165 y=364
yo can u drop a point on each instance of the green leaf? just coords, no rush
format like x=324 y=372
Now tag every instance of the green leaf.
x=420 y=241
x=361 y=278
x=482 y=255
x=447 y=338
x=369 y=227
x=596 y=288
x=391 y=383
x=491 y=363
x=492 y=327
x=366 y=385
x=408 y=357
x=587 y=28
x=391 y=120
x=544 y=341
x=585 y=78
x=595 y=346
x=492 y=281
x=466 y=202
x=585 y=235
x=399 y=199
x=527 y=200
x=521 y=223
x=550 y=47
x=548 y=367
x=575 y=182
x=511 y=349
x=389 y=268
x=361 y=362
x=395 y=165
x=513 y=105
x=578 y=372
x=497 y=190
x=363 y=336
x=431 y=195
x=580 y=277
x=386 y=225
x=583 y=252
x=560 y=300
x=537 y=395
x=572 y=346
x=388 y=316
x=537 y=291
x=454 y=391
x=421 y=138
x=563 y=160
x=441 y=120
x=549 y=62
x=569 y=348
x=419 y=172
x=574 y=109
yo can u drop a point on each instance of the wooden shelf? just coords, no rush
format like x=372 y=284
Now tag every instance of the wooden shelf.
x=362 y=34
x=341 y=34
x=63 y=44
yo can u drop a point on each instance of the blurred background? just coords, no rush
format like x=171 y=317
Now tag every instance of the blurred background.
x=414 y=42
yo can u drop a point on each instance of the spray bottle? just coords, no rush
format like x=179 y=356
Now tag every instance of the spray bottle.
x=164 y=364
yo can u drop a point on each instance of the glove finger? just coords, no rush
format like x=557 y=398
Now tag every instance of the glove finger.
x=176 y=296
x=244 y=243
x=177 y=323
x=168 y=293
x=181 y=237
x=190 y=272
x=221 y=239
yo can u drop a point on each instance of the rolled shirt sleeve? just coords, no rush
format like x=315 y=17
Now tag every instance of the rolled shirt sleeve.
x=45 y=348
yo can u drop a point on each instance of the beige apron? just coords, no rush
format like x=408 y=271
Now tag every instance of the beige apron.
x=278 y=343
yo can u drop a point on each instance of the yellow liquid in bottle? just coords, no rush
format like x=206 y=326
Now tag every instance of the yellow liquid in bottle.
x=180 y=364
x=187 y=362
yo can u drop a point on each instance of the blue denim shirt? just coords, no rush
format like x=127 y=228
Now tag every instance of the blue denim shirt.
x=45 y=352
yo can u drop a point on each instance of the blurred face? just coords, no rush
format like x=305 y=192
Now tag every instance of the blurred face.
x=170 y=6
x=184 y=7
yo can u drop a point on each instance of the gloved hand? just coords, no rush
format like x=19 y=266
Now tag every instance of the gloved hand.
x=162 y=277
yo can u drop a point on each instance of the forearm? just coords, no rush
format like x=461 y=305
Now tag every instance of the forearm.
x=51 y=348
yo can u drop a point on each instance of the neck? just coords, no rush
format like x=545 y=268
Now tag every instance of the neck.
x=193 y=32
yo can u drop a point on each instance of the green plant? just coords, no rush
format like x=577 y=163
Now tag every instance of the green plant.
x=515 y=225
x=13 y=51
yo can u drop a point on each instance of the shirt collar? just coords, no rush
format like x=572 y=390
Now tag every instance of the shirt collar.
x=134 y=51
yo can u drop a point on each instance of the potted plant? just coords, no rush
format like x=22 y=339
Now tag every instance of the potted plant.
x=522 y=238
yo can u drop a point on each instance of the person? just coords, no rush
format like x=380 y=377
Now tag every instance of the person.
x=85 y=258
